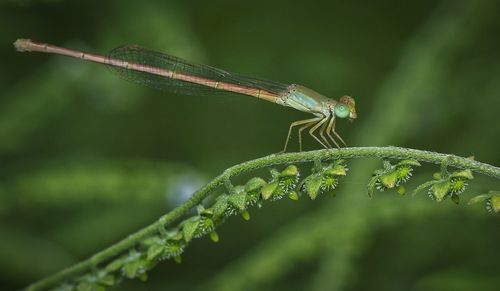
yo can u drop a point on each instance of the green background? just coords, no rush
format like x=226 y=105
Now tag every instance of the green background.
x=87 y=158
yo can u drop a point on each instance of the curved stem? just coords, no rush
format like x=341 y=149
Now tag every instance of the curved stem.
x=271 y=160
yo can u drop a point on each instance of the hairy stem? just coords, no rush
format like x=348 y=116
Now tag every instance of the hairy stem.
x=271 y=160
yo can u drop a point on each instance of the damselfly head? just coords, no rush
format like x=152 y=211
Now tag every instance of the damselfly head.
x=349 y=101
x=346 y=108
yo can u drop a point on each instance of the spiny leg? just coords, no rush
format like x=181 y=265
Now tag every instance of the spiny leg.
x=304 y=127
x=322 y=132
x=329 y=129
x=300 y=122
x=311 y=131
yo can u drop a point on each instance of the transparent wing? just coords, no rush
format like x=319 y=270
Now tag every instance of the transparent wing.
x=160 y=61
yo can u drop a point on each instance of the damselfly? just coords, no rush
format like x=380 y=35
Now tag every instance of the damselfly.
x=162 y=71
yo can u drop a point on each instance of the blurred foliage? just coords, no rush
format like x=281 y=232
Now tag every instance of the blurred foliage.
x=86 y=158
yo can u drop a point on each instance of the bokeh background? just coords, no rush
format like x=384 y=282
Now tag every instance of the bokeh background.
x=87 y=158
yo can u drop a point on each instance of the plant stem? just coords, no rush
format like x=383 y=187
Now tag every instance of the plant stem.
x=271 y=160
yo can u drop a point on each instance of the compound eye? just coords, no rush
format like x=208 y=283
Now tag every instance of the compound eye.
x=341 y=110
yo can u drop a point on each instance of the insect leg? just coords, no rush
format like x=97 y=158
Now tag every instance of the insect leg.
x=296 y=123
x=311 y=131
x=302 y=128
x=322 y=132
x=331 y=124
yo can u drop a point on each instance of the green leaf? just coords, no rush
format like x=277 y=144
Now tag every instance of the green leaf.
x=220 y=205
x=131 y=269
x=401 y=190
x=238 y=200
x=479 y=198
x=254 y=184
x=175 y=235
x=136 y=263
x=289 y=171
x=268 y=190
x=114 y=265
x=178 y=259
x=337 y=169
x=155 y=251
x=313 y=186
x=389 y=180
x=189 y=227
x=466 y=174
x=440 y=190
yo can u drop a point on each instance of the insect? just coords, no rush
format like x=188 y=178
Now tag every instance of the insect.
x=169 y=73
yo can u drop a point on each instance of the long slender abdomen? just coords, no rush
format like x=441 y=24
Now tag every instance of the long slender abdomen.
x=141 y=65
